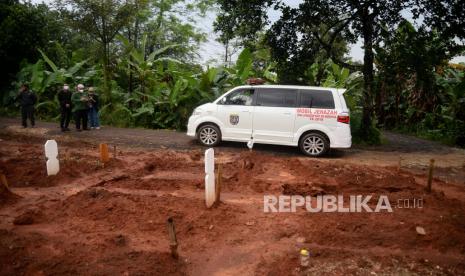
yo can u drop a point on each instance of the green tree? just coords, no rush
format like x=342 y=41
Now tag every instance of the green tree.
x=174 y=22
x=416 y=89
x=164 y=23
x=24 y=28
x=445 y=16
x=295 y=53
x=102 y=20
x=242 y=19
x=411 y=57
x=349 y=19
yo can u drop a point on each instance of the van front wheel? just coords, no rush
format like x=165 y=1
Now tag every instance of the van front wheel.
x=314 y=144
x=209 y=135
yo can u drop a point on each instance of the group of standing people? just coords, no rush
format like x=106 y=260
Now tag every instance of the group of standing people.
x=83 y=104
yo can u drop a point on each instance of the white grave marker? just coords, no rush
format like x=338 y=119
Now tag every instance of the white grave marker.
x=250 y=144
x=51 y=153
x=209 y=177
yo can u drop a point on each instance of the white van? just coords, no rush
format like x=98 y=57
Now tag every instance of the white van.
x=313 y=118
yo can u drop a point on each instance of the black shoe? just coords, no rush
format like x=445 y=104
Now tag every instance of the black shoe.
x=63 y=130
x=24 y=126
x=67 y=129
x=78 y=129
x=86 y=128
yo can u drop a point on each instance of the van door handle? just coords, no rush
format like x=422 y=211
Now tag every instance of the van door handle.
x=287 y=113
x=245 y=111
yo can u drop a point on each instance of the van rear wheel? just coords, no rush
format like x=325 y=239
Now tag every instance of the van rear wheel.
x=209 y=135
x=314 y=144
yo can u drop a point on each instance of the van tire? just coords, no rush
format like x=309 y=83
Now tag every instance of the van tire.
x=209 y=135
x=314 y=144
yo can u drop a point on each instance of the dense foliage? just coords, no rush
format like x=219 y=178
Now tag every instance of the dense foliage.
x=142 y=56
x=416 y=89
x=314 y=31
x=23 y=26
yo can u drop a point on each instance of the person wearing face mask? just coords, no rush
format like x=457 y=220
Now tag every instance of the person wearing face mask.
x=64 y=97
x=80 y=101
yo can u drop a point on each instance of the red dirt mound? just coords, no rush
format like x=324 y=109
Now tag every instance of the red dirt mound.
x=112 y=220
x=34 y=254
x=160 y=184
x=332 y=261
x=28 y=217
x=28 y=170
x=6 y=196
x=101 y=209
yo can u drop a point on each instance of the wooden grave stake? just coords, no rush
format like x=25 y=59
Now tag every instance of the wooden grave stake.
x=104 y=156
x=218 y=185
x=173 y=240
x=430 y=175
x=4 y=181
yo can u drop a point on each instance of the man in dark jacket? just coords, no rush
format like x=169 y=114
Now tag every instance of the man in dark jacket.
x=64 y=97
x=27 y=99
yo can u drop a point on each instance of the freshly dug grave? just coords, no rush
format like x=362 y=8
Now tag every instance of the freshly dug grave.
x=112 y=220
x=24 y=165
x=36 y=253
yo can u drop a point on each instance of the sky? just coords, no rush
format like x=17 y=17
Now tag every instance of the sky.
x=212 y=49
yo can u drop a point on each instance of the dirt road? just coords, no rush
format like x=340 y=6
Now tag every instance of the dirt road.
x=96 y=220
x=410 y=152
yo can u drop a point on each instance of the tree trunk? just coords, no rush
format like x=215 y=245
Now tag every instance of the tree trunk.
x=106 y=59
x=130 y=80
x=320 y=73
x=226 y=53
x=398 y=91
x=367 y=75
x=106 y=69
x=379 y=100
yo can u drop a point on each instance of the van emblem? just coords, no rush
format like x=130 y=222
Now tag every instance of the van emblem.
x=234 y=119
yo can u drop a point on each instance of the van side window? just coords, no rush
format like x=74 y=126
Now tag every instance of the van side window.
x=240 y=97
x=316 y=99
x=277 y=97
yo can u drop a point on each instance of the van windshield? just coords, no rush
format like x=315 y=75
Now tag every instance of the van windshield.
x=239 y=97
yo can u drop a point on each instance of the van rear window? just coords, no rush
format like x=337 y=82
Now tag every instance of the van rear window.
x=277 y=97
x=316 y=99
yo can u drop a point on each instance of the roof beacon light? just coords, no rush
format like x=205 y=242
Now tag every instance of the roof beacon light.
x=255 y=81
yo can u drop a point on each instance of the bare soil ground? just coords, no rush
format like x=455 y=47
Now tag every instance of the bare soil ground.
x=96 y=220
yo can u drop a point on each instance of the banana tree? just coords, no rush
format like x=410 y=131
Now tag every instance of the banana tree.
x=213 y=82
x=238 y=74
x=452 y=84
x=62 y=75
x=141 y=64
x=43 y=75
x=335 y=75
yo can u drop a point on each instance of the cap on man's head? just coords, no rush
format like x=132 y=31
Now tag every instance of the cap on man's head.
x=91 y=89
x=80 y=86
